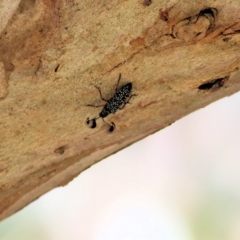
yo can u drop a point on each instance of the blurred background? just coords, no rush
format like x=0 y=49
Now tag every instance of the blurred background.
x=182 y=183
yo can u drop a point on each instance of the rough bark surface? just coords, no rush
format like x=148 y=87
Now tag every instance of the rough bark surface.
x=179 y=55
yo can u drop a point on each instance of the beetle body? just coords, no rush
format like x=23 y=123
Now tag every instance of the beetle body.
x=118 y=101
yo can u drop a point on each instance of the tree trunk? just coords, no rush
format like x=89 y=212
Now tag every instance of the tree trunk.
x=179 y=56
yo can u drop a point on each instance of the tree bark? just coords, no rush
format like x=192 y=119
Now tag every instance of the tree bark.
x=179 y=56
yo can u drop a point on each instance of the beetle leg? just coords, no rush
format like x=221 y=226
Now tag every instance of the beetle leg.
x=98 y=88
x=111 y=129
x=111 y=126
x=91 y=105
x=128 y=101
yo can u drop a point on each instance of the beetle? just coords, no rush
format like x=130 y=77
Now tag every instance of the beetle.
x=121 y=97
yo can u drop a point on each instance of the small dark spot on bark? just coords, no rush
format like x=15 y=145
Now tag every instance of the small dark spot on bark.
x=226 y=39
x=26 y=5
x=56 y=68
x=198 y=34
x=147 y=2
x=171 y=123
x=60 y=150
x=214 y=84
x=208 y=11
x=163 y=14
x=44 y=101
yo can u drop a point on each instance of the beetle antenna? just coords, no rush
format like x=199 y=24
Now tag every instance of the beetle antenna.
x=119 y=78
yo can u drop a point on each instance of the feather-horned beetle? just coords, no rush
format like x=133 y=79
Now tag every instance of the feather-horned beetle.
x=121 y=97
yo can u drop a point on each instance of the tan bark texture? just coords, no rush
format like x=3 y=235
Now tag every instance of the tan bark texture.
x=179 y=55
